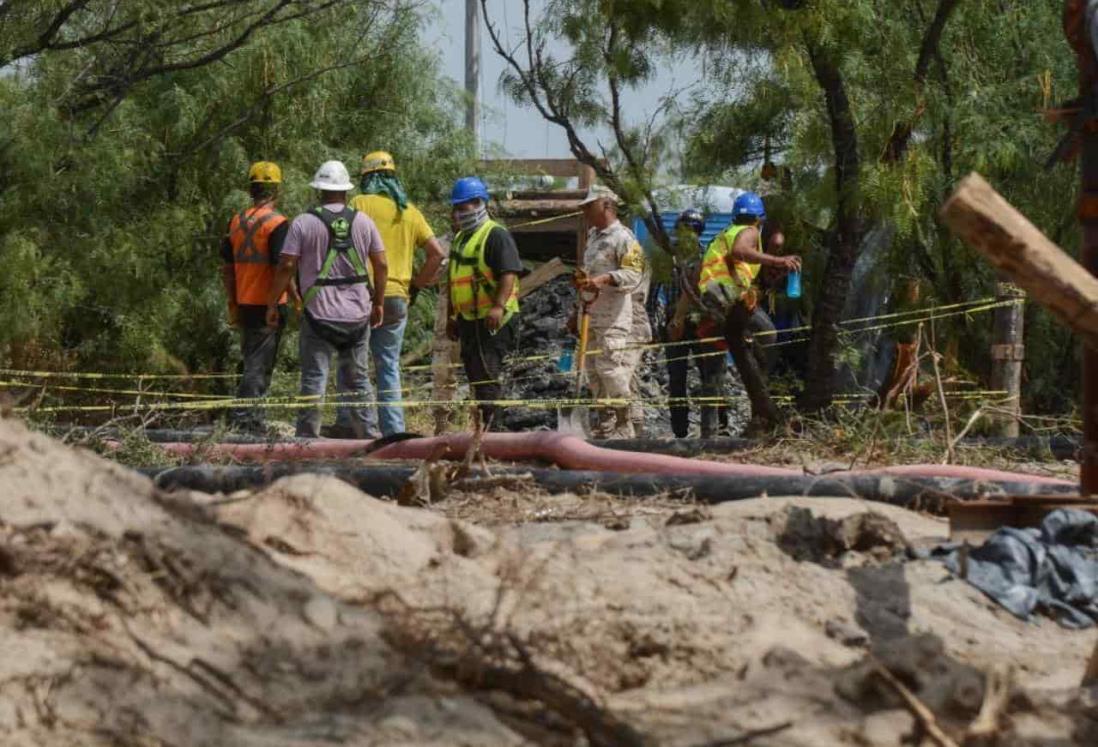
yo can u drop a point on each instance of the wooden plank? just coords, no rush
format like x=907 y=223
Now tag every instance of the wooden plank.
x=557 y=167
x=547 y=194
x=975 y=521
x=541 y=275
x=988 y=223
x=538 y=207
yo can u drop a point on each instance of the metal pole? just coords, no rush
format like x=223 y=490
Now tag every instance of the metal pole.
x=1007 y=356
x=472 y=71
x=1079 y=27
x=1088 y=214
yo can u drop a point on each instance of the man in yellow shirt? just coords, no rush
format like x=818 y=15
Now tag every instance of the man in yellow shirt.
x=403 y=229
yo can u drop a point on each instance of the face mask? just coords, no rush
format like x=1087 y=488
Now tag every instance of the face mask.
x=468 y=221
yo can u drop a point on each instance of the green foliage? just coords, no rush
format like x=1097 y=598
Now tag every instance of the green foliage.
x=111 y=216
x=976 y=109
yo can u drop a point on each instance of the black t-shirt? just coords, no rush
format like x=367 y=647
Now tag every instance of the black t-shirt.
x=500 y=253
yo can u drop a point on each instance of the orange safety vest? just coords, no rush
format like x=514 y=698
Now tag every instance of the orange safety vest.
x=250 y=235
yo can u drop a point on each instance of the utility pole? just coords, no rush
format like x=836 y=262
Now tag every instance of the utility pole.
x=472 y=71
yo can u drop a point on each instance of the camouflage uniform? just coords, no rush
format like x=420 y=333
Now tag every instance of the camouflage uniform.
x=613 y=250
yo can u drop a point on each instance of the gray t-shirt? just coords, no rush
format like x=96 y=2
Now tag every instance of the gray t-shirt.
x=307 y=240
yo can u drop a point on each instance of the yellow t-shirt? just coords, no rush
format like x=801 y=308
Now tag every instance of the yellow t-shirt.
x=401 y=233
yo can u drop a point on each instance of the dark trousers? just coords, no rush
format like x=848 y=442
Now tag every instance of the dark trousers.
x=751 y=359
x=711 y=367
x=259 y=348
x=482 y=353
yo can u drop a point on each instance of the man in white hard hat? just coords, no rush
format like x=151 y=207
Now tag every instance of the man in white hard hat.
x=328 y=248
x=615 y=267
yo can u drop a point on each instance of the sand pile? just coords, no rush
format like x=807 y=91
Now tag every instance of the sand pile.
x=131 y=619
x=309 y=613
x=689 y=624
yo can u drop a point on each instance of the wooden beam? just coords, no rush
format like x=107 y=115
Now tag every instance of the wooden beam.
x=988 y=223
x=541 y=275
x=538 y=207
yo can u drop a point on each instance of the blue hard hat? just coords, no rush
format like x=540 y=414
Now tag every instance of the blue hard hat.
x=748 y=203
x=468 y=188
x=693 y=219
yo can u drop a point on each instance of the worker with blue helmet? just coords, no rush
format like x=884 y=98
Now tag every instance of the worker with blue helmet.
x=483 y=293
x=727 y=285
x=678 y=308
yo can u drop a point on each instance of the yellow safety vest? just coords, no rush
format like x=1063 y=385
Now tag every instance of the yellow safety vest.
x=714 y=267
x=473 y=285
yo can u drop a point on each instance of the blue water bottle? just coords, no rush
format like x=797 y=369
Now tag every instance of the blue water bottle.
x=793 y=285
x=564 y=363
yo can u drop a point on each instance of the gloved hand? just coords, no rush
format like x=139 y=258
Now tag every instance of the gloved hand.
x=413 y=294
x=452 y=330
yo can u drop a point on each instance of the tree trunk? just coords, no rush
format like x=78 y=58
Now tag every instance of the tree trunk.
x=843 y=241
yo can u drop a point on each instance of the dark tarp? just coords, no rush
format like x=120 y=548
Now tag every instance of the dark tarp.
x=1053 y=568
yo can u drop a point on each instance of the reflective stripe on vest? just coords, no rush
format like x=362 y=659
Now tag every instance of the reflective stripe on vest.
x=250 y=235
x=473 y=285
x=340 y=243
x=714 y=266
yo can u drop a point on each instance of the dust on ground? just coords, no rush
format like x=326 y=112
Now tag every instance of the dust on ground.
x=309 y=613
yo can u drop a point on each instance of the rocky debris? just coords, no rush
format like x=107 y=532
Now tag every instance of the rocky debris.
x=805 y=536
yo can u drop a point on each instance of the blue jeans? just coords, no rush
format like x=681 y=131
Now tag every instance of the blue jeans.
x=385 y=345
x=352 y=383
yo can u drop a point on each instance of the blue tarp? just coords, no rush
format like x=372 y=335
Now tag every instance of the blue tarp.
x=1053 y=568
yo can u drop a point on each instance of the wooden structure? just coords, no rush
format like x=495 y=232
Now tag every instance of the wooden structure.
x=544 y=222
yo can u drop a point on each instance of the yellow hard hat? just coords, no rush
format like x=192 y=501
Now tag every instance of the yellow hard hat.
x=265 y=172
x=378 y=160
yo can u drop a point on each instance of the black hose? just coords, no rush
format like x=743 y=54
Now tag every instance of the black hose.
x=387 y=480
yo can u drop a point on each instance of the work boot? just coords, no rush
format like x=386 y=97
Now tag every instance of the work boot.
x=341 y=431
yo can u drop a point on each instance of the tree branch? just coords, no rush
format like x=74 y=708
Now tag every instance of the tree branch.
x=900 y=138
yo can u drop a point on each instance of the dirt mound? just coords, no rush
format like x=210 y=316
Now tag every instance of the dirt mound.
x=309 y=613
x=689 y=624
x=130 y=618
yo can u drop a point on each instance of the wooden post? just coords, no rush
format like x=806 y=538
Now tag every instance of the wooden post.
x=1007 y=356
x=985 y=221
x=586 y=179
x=444 y=352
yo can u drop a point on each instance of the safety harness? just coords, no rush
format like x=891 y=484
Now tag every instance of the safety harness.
x=339 y=245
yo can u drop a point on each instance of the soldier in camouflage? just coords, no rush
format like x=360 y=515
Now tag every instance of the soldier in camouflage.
x=614 y=267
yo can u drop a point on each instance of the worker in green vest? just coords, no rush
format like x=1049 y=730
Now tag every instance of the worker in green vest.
x=483 y=299
x=726 y=284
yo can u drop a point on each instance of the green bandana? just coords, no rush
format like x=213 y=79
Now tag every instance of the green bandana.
x=384 y=183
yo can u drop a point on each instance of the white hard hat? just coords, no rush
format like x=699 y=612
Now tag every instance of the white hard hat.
x=332 y=176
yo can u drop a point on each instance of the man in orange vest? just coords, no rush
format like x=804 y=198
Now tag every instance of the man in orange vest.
x=249 y=254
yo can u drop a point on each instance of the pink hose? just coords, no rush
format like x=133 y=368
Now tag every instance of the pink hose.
x=567 y=452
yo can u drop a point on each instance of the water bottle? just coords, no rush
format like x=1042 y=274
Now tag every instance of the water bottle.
x=564 y=363
x=793 y=285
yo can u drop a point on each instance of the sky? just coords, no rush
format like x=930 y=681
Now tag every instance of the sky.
x=518 y=130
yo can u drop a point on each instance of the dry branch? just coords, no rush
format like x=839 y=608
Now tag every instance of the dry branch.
x=917 y=708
